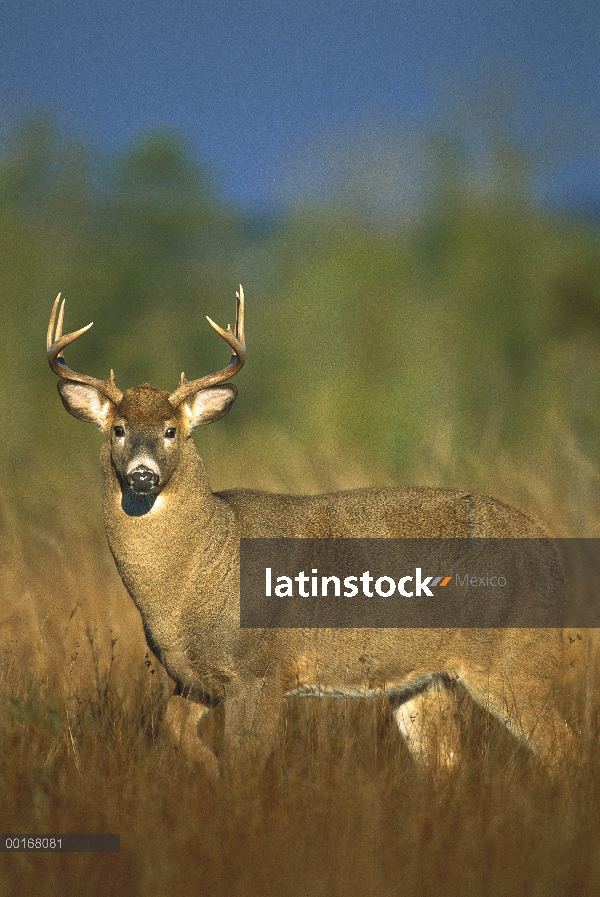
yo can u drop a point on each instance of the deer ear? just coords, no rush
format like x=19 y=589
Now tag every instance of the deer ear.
x=210 y=404
x=85 y=402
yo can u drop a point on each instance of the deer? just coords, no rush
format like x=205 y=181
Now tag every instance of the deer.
x=176 y=546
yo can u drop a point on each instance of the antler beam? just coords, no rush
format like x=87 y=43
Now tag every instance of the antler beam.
x=55 y=345
x=237 y=342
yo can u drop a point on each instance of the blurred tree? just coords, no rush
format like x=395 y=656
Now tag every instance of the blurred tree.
x=466 y=331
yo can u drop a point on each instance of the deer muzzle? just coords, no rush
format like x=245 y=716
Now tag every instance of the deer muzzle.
x=142 y=479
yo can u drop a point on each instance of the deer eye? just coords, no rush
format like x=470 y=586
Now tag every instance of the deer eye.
x=170 y=433
x=119 y=432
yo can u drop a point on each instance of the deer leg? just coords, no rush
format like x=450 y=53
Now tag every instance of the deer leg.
x=183 y=717
x=428 y=722
x=528 y=710
x=252 y=715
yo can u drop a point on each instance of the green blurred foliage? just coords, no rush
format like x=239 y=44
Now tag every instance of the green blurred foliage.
x=468 y=331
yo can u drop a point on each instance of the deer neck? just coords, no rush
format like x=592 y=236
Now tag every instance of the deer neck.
x=163 y=554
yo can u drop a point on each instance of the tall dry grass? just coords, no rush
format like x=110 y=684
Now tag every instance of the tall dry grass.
x=341 y=809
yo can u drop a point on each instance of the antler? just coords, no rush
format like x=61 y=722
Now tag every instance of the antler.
x=56 y=343
x=236 y=341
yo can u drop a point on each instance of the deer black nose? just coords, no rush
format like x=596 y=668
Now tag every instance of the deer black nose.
x=142 y=479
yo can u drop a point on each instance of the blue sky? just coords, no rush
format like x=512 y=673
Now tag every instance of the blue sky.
x=259 y=88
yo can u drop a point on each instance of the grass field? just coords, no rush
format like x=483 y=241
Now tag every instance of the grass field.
x=341 y=809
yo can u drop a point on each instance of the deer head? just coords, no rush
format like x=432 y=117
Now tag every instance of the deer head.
x=146 y=426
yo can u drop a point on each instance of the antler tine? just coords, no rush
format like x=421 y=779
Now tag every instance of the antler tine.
x=55 y=345
x=238 y=356
x=239 y=316
x=50 y=334
x=61 y=318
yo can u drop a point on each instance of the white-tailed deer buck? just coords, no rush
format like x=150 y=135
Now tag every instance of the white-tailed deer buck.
x=176 y=546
